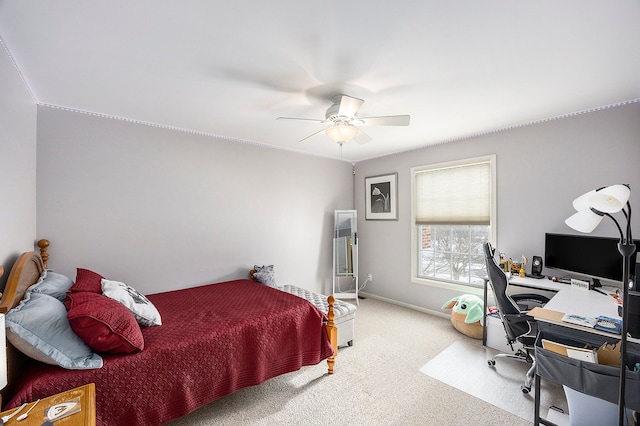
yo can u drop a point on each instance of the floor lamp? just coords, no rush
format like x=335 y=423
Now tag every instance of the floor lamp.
x=3 y=351
x=3 y=355
x=591 y=208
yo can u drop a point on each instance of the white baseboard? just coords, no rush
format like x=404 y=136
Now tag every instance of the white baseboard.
x=407 y=305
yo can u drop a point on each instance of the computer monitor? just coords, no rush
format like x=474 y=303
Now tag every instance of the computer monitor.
x=595 y=257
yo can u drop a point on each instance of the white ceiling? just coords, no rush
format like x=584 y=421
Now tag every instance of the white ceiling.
x=229 y=68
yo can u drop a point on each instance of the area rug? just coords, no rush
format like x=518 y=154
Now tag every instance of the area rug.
x=463 y=365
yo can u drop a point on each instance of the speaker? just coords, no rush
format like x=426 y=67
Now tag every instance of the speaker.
x=536 y=265
x=633 y=314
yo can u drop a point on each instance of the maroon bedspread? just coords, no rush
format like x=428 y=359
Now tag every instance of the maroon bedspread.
x=215 y=339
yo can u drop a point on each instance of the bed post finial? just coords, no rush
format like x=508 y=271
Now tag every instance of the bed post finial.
x=332 y=331
x=44 y=245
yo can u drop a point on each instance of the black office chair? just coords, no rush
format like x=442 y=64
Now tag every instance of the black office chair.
x=518 y=326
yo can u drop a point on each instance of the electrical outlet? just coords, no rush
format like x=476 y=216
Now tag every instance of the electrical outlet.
x=370 y=277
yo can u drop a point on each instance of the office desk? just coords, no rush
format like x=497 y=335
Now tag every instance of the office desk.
x=588 y=303
x=582 y=302
x=604 y=379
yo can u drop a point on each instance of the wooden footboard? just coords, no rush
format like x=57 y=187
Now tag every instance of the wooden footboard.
x=332 y=332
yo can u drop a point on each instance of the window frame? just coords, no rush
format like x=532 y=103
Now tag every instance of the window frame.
x=415 y=253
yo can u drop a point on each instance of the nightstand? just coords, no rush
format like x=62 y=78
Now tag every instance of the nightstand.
x=86 y=416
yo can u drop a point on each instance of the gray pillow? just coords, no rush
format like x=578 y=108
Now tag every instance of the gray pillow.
x=39 y=328
x=265 y=275
x=52 y=284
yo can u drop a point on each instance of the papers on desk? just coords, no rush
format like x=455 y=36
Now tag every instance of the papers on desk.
x=604 y=323
x=580 y=320
x=581 y=354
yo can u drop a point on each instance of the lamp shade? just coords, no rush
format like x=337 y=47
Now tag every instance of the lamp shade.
x=584 y=221
x=3 y=354
x=341 y=133
x=583 y=202
x=611 y=199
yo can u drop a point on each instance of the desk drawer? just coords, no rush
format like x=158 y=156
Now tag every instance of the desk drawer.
x=601 y=381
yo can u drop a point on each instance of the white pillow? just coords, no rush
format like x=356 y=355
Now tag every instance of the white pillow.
x=142 y=309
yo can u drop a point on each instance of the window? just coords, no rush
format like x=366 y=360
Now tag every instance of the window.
x=453 y=214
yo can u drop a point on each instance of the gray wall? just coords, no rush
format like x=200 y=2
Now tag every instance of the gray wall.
x=17 y=166
x=161 y=209
x=541 y=168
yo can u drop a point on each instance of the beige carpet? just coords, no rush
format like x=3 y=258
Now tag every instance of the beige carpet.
x=463 y=365
x=377 y=382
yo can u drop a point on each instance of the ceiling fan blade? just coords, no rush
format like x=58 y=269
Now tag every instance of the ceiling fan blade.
x=361 y=137
x=349 y=106
x=390 y=120
x=312 y=135
x=302 y=119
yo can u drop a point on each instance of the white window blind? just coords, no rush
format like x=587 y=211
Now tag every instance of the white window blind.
x=454 y=195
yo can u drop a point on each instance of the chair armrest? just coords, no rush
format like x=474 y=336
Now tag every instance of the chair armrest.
x=517 y=318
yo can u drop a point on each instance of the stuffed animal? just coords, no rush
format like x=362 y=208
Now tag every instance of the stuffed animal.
x=467 y=311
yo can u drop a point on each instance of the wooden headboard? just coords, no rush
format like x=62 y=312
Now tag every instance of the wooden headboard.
x=25 y=272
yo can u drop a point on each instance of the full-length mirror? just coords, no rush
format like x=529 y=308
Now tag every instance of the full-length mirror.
x=345 y=254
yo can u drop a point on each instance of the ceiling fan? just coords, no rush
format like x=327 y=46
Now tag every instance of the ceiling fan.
x=345 y=123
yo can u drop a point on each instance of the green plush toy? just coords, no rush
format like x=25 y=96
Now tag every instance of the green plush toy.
x=467 y=311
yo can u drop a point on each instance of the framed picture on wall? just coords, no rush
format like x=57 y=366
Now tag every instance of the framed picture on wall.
x=381 y=197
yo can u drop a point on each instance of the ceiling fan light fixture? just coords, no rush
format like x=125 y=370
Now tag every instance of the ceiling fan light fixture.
x=341 y=133
x=345 y=123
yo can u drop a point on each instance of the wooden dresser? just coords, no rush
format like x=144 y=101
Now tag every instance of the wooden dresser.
x=86 y=416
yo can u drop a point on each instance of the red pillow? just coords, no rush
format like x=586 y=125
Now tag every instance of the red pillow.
x=87 y=280
x=103 y=324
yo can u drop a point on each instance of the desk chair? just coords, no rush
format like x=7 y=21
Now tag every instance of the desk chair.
x=518 y=326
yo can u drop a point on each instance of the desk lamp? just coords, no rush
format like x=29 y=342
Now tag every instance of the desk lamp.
x=3 y=350
x=592 y=207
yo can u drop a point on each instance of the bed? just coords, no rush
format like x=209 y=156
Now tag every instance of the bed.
x=214 y=340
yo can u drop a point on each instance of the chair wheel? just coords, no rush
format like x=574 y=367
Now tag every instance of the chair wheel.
x=491 y=363
x=526 y=389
